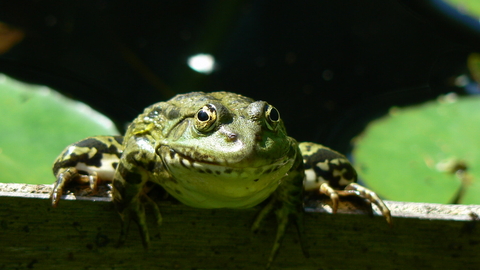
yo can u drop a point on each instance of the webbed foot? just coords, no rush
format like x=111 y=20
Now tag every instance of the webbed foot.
x=285 y=213
x=136 y=211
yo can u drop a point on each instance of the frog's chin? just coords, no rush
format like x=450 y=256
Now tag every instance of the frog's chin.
x=205 y=185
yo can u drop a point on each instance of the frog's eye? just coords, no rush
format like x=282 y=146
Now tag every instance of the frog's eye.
x=206 y=118
x=272 y=115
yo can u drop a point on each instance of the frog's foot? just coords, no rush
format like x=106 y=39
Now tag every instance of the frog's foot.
x=136 y=212
x=68 y=176
x=156 y=210
x=262 y=215
x=354 y=189
x=285 y=213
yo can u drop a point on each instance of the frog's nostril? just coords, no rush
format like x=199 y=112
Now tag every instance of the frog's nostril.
x=231 y=137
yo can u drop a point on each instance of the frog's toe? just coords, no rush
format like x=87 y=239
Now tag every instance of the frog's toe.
x=64 y=177
x=354 y=189
x=56 y=194
x=370 y=196
x=332 y=193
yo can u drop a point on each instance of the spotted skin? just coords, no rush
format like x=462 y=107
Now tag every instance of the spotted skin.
x=237 y=146
x=329 y=172
x=91 y=162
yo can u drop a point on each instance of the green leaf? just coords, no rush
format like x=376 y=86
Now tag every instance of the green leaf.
x=416 y=153
x=37 y=124
x=470 y=7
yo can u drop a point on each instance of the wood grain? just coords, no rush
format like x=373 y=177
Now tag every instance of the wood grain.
x=81 y=234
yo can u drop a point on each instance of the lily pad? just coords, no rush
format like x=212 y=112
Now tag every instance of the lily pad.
x=470 y=7
x=424 y=153
x=37 y=124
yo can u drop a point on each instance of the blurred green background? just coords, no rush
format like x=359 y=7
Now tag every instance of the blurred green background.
x=37 y=124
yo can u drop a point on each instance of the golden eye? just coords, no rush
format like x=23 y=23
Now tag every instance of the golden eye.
x=272 y=116
x=206 y=118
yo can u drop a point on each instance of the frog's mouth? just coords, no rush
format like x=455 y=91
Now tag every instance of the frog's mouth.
x=193 y=159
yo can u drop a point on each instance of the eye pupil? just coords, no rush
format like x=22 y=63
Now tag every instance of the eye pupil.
x=274 y=115
x=203 y=116
x=206 y=118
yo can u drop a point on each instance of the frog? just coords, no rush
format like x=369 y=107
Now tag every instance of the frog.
x=210 y=150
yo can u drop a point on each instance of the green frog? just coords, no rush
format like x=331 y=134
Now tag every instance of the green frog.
x=209 y=150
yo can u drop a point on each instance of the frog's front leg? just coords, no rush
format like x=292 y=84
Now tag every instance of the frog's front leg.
x=329 y=172
x=287 y=204
x=128 y=189
x=89 y=162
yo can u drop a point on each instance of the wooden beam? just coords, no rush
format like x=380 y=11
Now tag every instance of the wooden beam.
x=81 y=233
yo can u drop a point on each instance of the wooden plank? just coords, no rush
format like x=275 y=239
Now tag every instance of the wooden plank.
x=81 y=234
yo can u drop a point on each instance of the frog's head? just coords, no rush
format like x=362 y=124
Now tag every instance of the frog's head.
x=226 y=129
x=235 y=144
